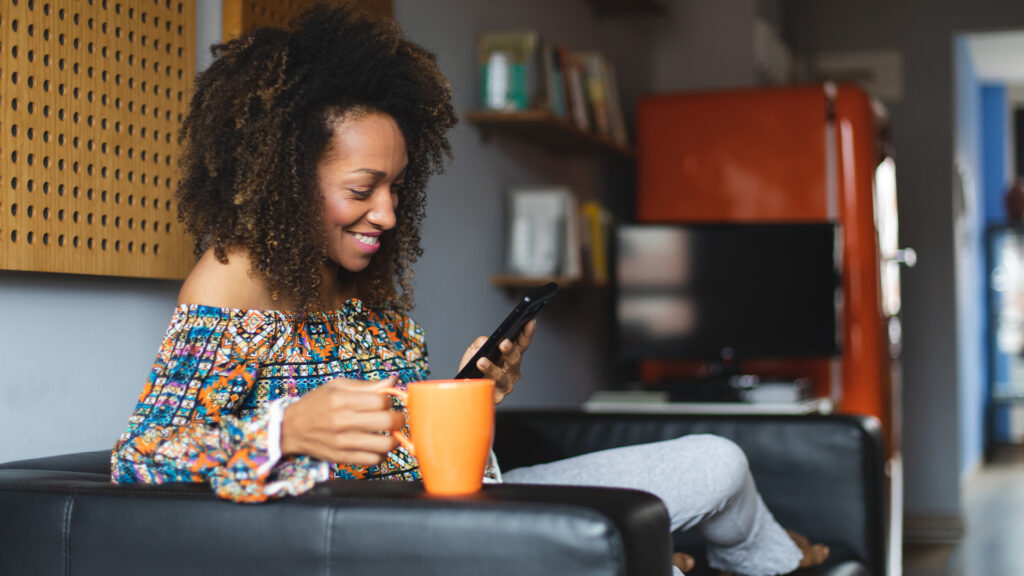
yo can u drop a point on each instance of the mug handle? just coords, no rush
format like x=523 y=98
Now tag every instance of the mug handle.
x=397 y=434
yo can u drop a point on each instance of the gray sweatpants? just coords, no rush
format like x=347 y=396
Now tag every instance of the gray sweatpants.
x=704 y=481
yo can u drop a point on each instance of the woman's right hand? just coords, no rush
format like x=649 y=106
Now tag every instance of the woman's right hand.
x=342 y=421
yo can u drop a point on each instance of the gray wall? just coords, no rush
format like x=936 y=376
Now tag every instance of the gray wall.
x=76 y=350
x=923 y=130
x=705 y=45
x=702 y=45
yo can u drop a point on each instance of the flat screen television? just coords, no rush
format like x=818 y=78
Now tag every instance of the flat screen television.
x=708 y=291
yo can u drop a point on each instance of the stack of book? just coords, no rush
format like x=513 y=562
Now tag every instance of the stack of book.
x=520 y=71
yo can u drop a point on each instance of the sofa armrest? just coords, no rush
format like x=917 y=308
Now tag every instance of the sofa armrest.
x=60 y=515
x=819 y=475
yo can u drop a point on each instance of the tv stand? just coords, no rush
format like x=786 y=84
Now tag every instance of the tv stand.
x=654 y=402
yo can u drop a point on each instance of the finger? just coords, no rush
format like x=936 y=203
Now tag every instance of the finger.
x=510 y=354
x=478 y=343
x=357 y=458
x=398 y=421
x=342 y=401
x=361 y=442
x=491 y=370
x=367 y=422
x=471 y=351
x=504 y=381
x=526 y=335
x=501 y=391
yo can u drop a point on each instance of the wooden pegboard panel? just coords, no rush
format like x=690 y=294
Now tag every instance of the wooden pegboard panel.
x=92 y=93
x=242 y=16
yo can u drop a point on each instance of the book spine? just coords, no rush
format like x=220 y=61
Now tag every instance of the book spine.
x=616 y=121
x=565 y=66
x=572 y=263
x=556 y=85
x=596 y=80
x=595 y=220
x=579 y=98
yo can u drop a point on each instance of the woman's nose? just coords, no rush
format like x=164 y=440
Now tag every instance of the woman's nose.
x=382 y=213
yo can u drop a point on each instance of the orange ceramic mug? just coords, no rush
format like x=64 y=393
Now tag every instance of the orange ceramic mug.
x=451 y=423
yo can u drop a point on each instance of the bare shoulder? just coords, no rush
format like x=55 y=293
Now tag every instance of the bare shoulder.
x=229 y=284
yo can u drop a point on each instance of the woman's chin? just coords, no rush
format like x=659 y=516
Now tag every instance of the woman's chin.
x=351 y=265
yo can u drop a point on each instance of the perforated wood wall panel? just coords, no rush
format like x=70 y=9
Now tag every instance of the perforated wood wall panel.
x=92 y=93
x=241 y=16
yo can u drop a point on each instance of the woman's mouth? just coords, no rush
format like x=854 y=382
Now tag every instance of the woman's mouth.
x=367 y=243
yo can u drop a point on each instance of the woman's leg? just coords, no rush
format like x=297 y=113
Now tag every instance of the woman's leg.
x=704 y=482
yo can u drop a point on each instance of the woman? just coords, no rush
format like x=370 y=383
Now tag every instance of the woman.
x=306 y=158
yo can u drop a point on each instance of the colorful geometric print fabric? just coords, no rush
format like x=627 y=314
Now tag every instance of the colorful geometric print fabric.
x=203 y=414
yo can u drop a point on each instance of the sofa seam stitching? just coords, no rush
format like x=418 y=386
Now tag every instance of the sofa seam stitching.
x=328 y=532
x=67 y=534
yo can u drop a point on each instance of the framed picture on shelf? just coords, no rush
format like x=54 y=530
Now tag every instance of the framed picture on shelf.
x=543 y=232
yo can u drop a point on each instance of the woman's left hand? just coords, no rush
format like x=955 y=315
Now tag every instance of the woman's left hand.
x=508 y=372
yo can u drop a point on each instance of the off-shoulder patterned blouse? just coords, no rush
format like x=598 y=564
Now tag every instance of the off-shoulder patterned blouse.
x=211 y=408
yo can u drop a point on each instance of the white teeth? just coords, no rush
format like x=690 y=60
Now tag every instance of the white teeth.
x=371 y=240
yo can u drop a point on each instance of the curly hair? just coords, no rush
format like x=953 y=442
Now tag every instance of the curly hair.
x=261 y=119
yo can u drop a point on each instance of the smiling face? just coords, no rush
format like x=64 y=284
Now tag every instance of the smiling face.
x=359 y=178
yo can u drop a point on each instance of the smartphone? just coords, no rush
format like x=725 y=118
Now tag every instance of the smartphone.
x=509 y=328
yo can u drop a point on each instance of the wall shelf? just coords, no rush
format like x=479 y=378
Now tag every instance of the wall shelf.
x=516 y=282
x=544 y=129
x=629 y=7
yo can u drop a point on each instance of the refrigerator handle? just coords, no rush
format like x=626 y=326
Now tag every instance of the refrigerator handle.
x=905 y=256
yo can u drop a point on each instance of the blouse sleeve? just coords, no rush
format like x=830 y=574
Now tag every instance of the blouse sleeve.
x=186 y=426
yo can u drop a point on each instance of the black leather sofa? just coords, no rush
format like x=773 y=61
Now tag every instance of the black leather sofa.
x=820 y=475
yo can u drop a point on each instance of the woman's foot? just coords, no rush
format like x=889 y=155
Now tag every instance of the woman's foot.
x=682 y=561
x=813 y=554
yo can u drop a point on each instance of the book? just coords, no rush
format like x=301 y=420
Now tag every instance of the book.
x=509 y=62
x=572 y=262
x=544 y=232
x=596 y=86
x=565 y=67
x=580 y=100
x=553 y=83
x=596 y=224
x=536 y=224
x=616 y=121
